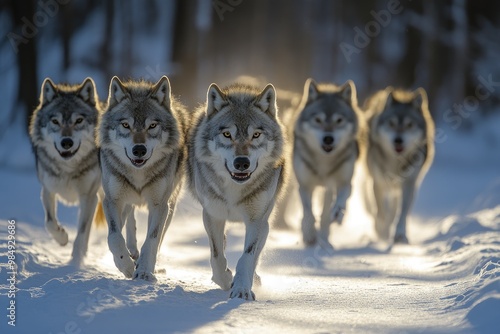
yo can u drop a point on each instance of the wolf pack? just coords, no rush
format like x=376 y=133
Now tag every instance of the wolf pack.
x=239 y=156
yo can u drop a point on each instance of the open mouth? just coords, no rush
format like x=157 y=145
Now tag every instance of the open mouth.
x=398 y=148
x=327 y=148
x=239 y=177
x=136 y=162
x=67 y=154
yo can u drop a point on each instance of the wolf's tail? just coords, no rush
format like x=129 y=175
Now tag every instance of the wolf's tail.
x=99 y=217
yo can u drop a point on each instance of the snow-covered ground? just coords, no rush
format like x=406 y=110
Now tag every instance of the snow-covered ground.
x=446 y=281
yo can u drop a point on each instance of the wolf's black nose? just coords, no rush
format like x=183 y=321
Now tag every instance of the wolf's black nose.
x=241 y=163
x=139 y=150
x=398 y=140
x=328 y=140
x=67 y=143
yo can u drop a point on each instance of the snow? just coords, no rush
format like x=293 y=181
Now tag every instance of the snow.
x=446 y=281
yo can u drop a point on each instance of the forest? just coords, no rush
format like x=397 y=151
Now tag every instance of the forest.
x=449 y=47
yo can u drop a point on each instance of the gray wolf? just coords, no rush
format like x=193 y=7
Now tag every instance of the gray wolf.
x=236 y=169
x=325 y=150
x=142 y=152
x=62 y=132
x=400 y=152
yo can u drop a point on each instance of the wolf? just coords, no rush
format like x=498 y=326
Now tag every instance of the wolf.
x=141 y=136
x=62 y=133
x=400 y=152
x=236 y=169
x=325 y=150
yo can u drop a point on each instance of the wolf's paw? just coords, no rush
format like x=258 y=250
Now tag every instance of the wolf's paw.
x=134 y=254
x=147 y=276
x=337 y=214
x=125 y=264
x=401 y=239
x=223 y=280
x=325 y=244
x=76 y=261
x=310 y=239
x=242 y=292
x=58 y=233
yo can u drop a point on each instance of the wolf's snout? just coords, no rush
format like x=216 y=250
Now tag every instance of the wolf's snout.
x=139 y=150
x=66 y=143
x=398 y=144
x=241 y=163
x=328 y=140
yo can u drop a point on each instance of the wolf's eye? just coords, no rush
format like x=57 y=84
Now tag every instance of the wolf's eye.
x=226 y=134
x=153 y=125
x=256 y=134
x=392 y=123
x=125 y=125
x=318 y=120
x=340 y=120
x=409 y=125
x=54 y=121
x=79 y=120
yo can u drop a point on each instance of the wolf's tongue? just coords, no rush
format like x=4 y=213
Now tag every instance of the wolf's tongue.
x=398 y=148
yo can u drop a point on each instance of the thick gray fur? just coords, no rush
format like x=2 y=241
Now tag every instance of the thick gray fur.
x=142 y=115
x=239 y=121
x=62 y=132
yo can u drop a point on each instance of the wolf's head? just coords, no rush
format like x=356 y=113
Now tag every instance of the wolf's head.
x=401 y=124
x=64 y=122
x=328 y=117
x=138 y=125
x=242 y=134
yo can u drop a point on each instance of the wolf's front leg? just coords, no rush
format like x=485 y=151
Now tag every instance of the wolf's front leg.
x=51 y=224
x=221 y=275
x=156 y=224
x=326 y=219
x=308 y=229
x=382 y=225
x=408 y=195
x=116 y=243
x=131 y=232
x=255 y=239
x=88 y=205
x=338 y=210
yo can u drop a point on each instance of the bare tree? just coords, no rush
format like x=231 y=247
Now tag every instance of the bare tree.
x=27 y=93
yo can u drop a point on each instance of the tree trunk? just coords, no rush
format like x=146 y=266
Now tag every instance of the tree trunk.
x=27 y=93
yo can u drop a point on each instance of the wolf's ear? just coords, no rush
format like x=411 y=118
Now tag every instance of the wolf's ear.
x=390 y=98
x=49 y=91
x=117 y=92
x=348 y=91
x=419 y=99
x=161 y=92
x=266 y=100
x=311 y=90
x=87 y=92
x=215 y=99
